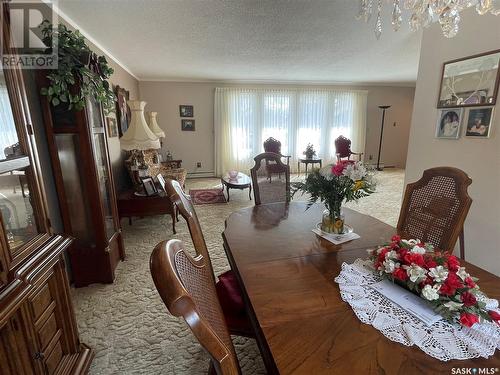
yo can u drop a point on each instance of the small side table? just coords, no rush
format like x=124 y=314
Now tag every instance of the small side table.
x=240 y=182
x=307 y=162
x=130 y=204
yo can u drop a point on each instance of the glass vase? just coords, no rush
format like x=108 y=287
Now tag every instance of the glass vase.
x=333 y=221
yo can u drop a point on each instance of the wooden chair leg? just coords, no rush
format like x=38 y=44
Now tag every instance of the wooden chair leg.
x=211 y=369
x=462 y=244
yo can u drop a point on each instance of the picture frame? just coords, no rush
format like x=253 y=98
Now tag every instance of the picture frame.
x=111 y=127
x=186 y=110
x=123 y=113
x=188 y=125
x=449 y=123
x=161 y=180
x=149 y=186
x=471 y=81
x=479 y=122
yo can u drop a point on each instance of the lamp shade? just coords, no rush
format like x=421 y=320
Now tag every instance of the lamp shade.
x=153 y=125
x=138 y=136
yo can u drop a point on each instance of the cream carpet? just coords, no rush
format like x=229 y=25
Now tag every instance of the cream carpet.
x=127 y=324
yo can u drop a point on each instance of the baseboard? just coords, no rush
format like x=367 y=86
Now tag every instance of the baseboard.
x=200 y=174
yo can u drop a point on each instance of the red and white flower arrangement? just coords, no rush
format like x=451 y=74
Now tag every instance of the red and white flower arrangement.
x=435 y=276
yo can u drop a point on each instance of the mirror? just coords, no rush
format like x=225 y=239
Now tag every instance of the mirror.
x=471 y=81
x=9 y=142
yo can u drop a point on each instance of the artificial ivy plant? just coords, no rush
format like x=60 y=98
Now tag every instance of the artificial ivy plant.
x=77 y=64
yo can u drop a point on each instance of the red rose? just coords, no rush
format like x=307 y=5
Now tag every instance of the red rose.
x=338 y=168
x=402 y=253
x=396 y=238
x=400 y=274
x=494 y=316
x=451 y=284
x=410 y=258
x=447 y=290
x=427 y=281
x=470 y=283
x=468 y=320
x=452 y=263
x=468 y=299
x=430 y=263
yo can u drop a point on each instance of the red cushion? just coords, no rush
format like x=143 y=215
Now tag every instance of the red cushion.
x=229 y=293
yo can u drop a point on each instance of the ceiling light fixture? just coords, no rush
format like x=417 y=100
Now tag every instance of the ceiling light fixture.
x=424 y=12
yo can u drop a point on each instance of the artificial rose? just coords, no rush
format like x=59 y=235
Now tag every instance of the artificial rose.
x=400 y=274
x=438 y=273
x=430 y=263
x=338 y=168
x=453 y=263
x=470 y=283
x=451 y=285
x=396 y=238
x=468 y=319
x=427 y=281
x=418 y=249
x=389 y=266
x=447 y=290
x=468 y=299
x=414 y=258
x=415 y=273
x=495 y=316
x=430 y=293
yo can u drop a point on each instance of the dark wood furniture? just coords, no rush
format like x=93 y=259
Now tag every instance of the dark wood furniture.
x=186 y=287
x=273 y=145
x=38 y=332
x=287 y=273
x=240 y=182
x=130 y=204
x=227 y=287
x=78 y=149
x=307 y=162
x=172 y=164
x=343 y=149
x=435 y=207
x=265 y=190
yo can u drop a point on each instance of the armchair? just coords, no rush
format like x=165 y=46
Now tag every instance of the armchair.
x=274 y=146
x=343 y=149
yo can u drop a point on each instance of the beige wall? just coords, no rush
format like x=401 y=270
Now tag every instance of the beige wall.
x=191 y=147
x=479 y=158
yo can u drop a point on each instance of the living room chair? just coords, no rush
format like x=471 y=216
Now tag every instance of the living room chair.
x=343 y=149
x=227 y=287
x=186 y=287
x=273 y=145
x=266 y=191
x=435 y=207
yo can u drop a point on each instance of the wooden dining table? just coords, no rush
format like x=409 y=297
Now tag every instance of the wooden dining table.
x=302 y=325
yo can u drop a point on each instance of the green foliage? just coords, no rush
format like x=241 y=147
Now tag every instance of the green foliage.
x=309 y=152
x=73 y=81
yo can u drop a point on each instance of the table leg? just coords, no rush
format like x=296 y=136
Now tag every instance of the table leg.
x=298 y=168
x=173 y=221
x=250 y=192
x=227 y=189
x=306 y=168
x=320 y=165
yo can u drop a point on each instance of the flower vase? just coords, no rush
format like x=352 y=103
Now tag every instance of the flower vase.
x=333 y=221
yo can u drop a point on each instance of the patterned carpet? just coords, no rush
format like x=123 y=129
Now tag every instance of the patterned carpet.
x=127 y=324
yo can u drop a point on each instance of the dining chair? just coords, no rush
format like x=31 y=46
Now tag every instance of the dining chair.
x=227 y=287
x=343 y=149
x=273 y=145
x=267 y=191
x=435 y=207
x=186 y=286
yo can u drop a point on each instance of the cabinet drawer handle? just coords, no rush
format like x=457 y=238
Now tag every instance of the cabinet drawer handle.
x=39 y=355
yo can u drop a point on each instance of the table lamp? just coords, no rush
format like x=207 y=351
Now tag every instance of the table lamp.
x=155 y=128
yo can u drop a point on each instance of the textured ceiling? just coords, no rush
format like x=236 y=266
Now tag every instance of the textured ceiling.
x=248 y=40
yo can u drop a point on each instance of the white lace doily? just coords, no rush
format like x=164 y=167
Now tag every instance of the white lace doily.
x=442 y=340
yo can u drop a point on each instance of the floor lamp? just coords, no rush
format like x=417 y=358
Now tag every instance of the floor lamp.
x=383 y=108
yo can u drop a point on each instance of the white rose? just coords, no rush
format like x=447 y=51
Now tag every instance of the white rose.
x=415 y=272
x=430 y=293
x=390 y=266
x=462 y=274
x=418 y=250
x=410 y=242
x=391 y=255
x=453 y=306
x=438 y=273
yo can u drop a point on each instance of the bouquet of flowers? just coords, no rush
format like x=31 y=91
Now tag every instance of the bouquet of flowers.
x=334 y=184
x=435 y=276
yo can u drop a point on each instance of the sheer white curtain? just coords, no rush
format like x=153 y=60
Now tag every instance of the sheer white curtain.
x=245 y=118
x=8 y=134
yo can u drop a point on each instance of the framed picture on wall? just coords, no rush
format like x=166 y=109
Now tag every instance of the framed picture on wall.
x=448 y=123
x=186 y=111
x=479 y=121
x=122 y=109
x=187 y=125
x=111 y=127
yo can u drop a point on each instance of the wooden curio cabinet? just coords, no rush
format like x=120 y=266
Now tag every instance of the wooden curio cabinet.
x=38 y=333
x=84 y=181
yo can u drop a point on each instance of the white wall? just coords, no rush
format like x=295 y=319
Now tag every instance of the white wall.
x=479 y=158
x=191 y=147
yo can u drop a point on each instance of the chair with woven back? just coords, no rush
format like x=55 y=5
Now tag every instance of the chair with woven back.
x=186 y=286
x=227 y=288
x=269 y=192
x=274 y=146
x=343 y=149
x=435 y=207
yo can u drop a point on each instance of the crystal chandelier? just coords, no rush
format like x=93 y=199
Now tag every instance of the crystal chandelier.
x=424 y=12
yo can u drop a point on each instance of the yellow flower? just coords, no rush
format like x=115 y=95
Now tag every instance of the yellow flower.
x=358 y=185
x=339 y=223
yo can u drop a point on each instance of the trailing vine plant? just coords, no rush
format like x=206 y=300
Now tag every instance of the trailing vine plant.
x=80 y=73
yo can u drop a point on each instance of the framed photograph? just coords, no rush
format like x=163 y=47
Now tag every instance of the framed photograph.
x=470 y=81
x=111 y=127
x=186 y=111
x=187 y=125
x=479 y=121
x=122 y=109
x=161 y=180
x=448 y=123
x=149 y=186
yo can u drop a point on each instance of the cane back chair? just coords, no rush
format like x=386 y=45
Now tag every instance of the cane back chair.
x=267 y=191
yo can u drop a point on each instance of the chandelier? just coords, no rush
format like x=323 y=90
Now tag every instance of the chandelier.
x=424 y=12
